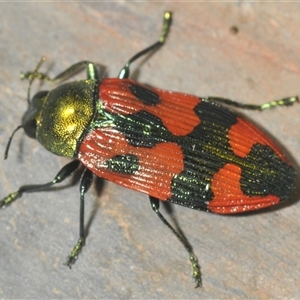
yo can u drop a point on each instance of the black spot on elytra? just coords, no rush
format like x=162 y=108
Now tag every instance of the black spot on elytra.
x=264 y=173
x=144 y=95
x=142 y=129
x=123 y=164
x=205 y=151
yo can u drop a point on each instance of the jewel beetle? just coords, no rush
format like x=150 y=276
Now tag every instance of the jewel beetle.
x=171 y=146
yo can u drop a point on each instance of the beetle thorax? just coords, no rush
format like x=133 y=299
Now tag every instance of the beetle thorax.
x=66 y=114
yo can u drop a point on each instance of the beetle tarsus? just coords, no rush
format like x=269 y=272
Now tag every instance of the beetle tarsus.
x=282 y=102
x=196 y=270
x=71 y=259
x=9 y=199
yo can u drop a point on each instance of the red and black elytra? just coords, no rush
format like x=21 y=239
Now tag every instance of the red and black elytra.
x=182 y=149
x=172 y=146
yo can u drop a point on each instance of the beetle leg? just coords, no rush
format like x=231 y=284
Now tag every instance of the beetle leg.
x=65 y=172
x=85 y=183
x=196 y=269
x=124 y=73
x=71 y=71
x=282 y=102
x=91 y=68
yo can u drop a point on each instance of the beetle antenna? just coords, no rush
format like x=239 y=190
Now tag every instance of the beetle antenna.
x=9 y=141
x=33 y=75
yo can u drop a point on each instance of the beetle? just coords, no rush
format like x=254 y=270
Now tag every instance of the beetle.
x=172 y=146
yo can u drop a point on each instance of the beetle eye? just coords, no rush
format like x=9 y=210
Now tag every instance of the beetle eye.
x=35 y=107
x=30 y=128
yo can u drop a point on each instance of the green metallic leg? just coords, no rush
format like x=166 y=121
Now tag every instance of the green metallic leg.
x=91 y=68
x=65 y=172
x=282 y=102
x=68 y=73
x=124 y=73
x=85 y=183
x=194 y=261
